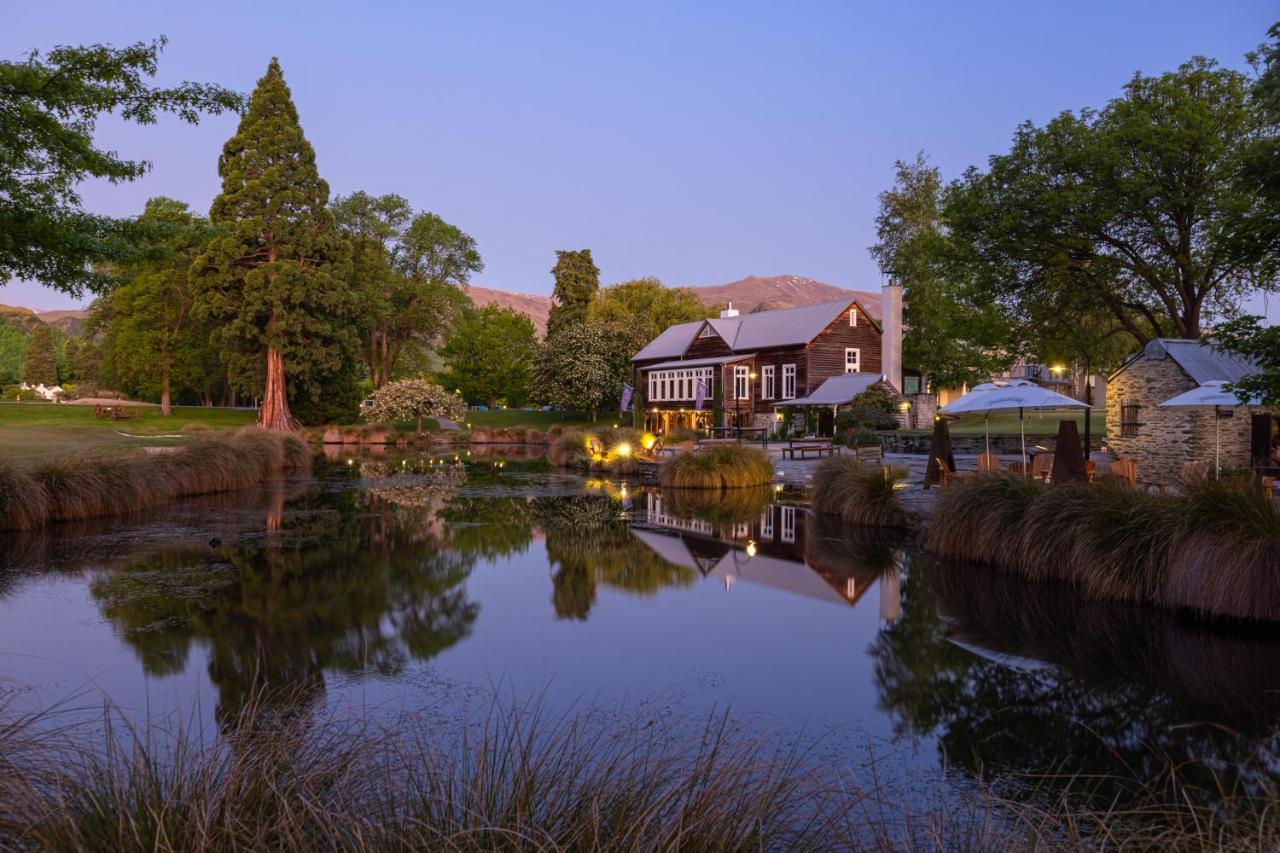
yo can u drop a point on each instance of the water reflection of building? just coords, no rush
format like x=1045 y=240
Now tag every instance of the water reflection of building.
x=785 y=547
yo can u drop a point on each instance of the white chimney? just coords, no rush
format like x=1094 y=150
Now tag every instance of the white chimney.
x=891 y=324
x=730 y=311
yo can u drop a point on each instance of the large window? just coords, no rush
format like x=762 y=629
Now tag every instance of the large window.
x=852 y=359
x=675 y=386
x=1129 y=422
x=766 y=382
x=788 y=381
x=742 y=383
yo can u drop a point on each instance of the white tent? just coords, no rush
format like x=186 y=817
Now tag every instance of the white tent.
x=1210 y=395
x=1019 y=394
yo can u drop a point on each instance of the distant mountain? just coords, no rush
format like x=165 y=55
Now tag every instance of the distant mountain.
x=69 y=322
x=20 y=318
x=748 y=294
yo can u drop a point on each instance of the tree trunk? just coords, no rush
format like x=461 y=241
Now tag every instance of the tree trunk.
x=419 y=424
x=275 y=414
x=373 y=359
x=166 y=408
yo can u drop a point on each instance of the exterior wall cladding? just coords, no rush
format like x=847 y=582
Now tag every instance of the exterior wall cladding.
x=1168 y=438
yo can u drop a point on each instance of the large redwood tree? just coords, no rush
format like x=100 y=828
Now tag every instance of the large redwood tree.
x=275 y=278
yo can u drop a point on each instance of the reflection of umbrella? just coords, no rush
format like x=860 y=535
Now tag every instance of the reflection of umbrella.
x=1014 y=394
x=1068 y=457
x=939 y=448
x=1210 y=395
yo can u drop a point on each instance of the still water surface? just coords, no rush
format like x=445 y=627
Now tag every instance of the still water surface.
x=399 y=584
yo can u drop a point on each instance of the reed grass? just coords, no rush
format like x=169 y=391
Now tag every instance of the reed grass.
x=94 y=485
x=859 y=493
x=724 y=467
x=1214 y=550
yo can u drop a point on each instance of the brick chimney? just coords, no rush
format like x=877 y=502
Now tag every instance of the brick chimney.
x=891 y=324
x=729 y=311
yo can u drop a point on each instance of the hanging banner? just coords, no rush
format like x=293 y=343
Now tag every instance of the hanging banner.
x=627 y=392
x=700 y=396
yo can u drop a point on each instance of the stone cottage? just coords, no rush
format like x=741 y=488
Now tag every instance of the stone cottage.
x=1160 y=440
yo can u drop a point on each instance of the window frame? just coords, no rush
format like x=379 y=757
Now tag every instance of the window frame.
x=768 y=384
x=741 y=382
x=1130 y=418
x=853 y=317
x=857 y=359
x=788 y=373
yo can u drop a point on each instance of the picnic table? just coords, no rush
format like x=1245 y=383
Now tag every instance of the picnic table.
x=120 y=413
x=804 y=447
x=761 y=433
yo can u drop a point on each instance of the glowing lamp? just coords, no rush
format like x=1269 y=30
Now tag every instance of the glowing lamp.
x=751 y=548
x=648 y=440
x=623 y=449
x=904 y=406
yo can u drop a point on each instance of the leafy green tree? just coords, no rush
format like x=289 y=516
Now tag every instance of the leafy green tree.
x=13 y=352
x=490 y=354
x=1249 y=338
x=577 y=280
x=950 y=337
x=40 y=366
x=1123 y=210
x=275 y=279
x=1256 y=230
x=49 y=108
x=410 y=272
x=151 y=313
x=573 y=370
x=647 y=304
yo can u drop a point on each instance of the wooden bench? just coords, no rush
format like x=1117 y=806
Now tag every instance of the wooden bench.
x=120 y=413
x=868 y=452
x=803 y=449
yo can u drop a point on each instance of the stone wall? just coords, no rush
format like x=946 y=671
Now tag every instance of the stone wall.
x=1169 y=438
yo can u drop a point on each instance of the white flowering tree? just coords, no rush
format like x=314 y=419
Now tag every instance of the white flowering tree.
x=414 y=398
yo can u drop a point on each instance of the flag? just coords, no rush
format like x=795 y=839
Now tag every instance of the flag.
x=627 y=391
x=700 y=396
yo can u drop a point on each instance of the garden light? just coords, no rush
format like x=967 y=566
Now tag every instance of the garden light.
x=623 y=449
x=751 y=548
x=648 y=440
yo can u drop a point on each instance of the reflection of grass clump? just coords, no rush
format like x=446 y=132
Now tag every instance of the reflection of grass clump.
x=1215 y=549
x=859 y=493
x=732 y=506
x=723 y=467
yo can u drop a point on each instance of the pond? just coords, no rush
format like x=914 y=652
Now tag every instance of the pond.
x=393 y=584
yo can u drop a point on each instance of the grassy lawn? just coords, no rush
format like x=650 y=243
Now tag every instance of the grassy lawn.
x=34 y=431
x=1038 y=423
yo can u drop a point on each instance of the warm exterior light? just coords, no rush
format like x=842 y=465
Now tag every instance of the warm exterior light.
x=1058 y=368
x=648 y=440
x=753 y=375
x=751 y=548
x=904 y=406
x=778 y=416
x=623 y=449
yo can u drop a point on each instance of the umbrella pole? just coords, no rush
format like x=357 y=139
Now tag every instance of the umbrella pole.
x=986 y=421
x=1217 y=445
x=1022 y=428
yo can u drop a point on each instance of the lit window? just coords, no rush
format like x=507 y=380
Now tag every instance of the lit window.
x=852 y=359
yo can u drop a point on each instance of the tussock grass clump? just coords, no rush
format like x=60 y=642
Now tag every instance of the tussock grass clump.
x=859 y=493
x=513 y=779
x=724 y=467
x=736 y=506
x=94 y=485
x=596 y=450
x=1215 y=549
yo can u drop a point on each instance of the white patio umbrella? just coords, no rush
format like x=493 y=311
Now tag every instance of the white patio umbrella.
x=1210 y=395
x=1019 y=394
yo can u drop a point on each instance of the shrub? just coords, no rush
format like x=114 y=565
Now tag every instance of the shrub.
x=723 y=467
x=1215 y=549
x=859 y=493
x=414 y=399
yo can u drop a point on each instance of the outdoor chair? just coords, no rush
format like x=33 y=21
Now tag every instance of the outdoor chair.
x=988 y=463
x=1125 y=469
x=1042 y=467
x=1090 y=470
x=946 y=476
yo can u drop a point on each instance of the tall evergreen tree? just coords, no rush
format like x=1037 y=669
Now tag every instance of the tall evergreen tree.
x=577 y=280
x=275 y=278
x=40 y=366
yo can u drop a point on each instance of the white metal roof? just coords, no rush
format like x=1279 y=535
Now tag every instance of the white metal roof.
x=837 y=390
x=1202 y=362
x=671 y=343
x=696 y=362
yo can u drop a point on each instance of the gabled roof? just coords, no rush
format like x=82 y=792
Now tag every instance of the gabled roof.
x=837 y=390
x=1202 y=362
x=761 y=330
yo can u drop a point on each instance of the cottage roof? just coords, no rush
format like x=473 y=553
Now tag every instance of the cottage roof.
x=837 y=390
x=695 y=362
x=761 y=330
x=1202 y=362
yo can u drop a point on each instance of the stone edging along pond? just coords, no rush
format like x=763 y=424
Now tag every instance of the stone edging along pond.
x=1213 y=550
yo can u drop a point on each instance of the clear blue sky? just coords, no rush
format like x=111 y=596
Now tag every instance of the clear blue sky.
x=698 y=142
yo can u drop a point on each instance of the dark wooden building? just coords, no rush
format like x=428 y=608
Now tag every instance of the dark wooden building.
x=745 y=366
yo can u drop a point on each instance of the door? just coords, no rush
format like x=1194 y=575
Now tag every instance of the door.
x=826 y=423
x=1260 y=444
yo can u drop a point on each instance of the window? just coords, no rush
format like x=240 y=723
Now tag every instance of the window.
x=910 y=385
x=766 y=382
x=742 y=383
x=853 y=317
x=766 y=524
x=668 y=386
x=788 y=381
x=852 y=359
x=1129 y=422
x=788 y=524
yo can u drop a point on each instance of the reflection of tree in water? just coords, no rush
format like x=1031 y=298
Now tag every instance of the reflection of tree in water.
x=589 y=543
x=489 y=528
x=342 y=582
x=1072 y=686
